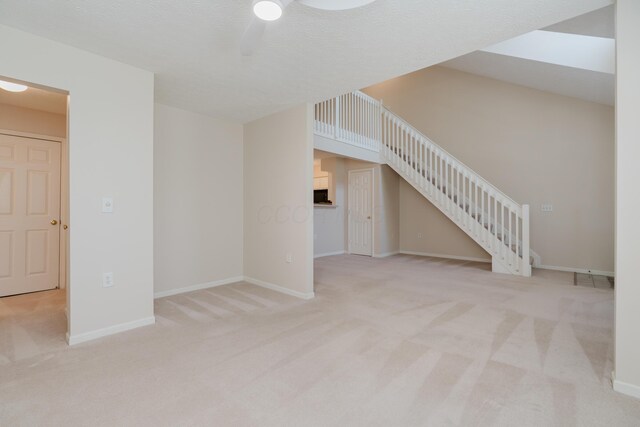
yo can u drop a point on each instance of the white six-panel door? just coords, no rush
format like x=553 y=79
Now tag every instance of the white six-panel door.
x=361 y=212
x=29 y=214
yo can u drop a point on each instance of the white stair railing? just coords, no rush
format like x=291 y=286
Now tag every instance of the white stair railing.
x=490 y=217
x=353 y=118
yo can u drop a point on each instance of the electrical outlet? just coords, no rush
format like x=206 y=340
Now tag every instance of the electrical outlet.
x=289 y=258
x=547 y=208
x=107 y=205
x=107 y=280
x=419 y=235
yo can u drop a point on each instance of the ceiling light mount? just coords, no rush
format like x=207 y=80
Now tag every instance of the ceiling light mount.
x=12 y=87
x=268 y=10
x=271 y=10
x=335 y=4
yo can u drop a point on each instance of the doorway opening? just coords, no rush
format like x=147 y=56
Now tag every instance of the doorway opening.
x=34 y=222
x=347 y=206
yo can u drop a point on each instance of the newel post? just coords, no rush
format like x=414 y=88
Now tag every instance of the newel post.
x=379 y=130
x=526 y=263
x=337 y=118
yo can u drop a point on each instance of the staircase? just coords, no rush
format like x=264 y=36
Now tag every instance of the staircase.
x=491 y=218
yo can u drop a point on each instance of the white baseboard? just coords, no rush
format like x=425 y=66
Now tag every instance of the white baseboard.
x=99 y=333
x=544 y=267
x=625 y=388
x=537 y=259
x=329 y=254
x=198 y=287
x=278 y=288
x=386 y=254
x=456 y=257
x=577 y=270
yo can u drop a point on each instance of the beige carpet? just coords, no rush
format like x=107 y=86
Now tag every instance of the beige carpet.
x=400 y=341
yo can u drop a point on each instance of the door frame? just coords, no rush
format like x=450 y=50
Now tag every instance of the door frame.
x=373 y=174
x=64 y=197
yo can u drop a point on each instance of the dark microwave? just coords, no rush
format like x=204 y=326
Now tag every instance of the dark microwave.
x=321 y=196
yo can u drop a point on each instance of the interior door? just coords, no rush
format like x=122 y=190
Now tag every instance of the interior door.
x=361 y=212
x=29 y=214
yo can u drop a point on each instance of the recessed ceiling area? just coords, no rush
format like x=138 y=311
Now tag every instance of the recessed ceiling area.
x=36 y=99
x=574 y=82
x=306 y=56
x=586 y=70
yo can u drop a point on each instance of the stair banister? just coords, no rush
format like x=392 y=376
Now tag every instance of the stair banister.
x=525 y=240
x=454 y=188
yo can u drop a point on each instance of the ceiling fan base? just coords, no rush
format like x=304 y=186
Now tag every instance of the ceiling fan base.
x=335 y=4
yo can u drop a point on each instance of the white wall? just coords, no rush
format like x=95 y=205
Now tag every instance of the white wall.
x=329 y=231
x=111 y=154
x=330 y=145
x=536 y=146
x=386 y=211
x=627 y=347
x=425 y=230
x=329 y=223
x=386 y=214
x=32 y=121
x=278 y=201
x=198 y=198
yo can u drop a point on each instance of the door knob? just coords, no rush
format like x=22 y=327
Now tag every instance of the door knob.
x=65 y=226
x=54 y=222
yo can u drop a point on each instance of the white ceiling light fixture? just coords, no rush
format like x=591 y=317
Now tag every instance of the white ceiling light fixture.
x=12 y=87
x=271 y=10
x=268 y=10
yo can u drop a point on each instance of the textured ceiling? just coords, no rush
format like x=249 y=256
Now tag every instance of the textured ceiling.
x=308 y=55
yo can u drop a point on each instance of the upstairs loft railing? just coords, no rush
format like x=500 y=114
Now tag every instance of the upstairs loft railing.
x=353 y=118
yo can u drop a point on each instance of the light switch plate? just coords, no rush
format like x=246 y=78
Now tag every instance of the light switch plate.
x=107 y=280
x=107 y=205
x=547 y=208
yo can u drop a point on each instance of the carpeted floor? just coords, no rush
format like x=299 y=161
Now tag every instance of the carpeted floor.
x=401 y=341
